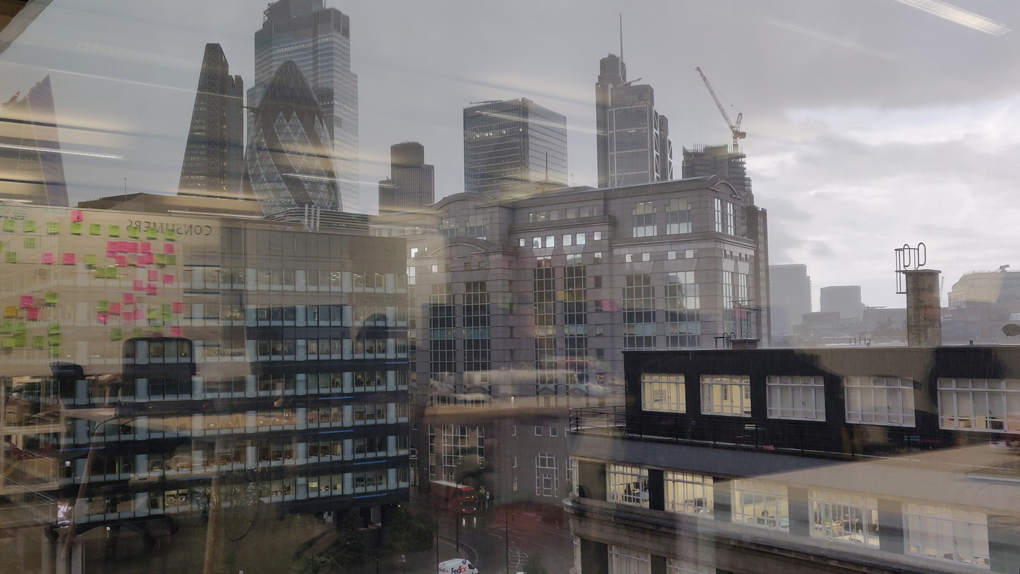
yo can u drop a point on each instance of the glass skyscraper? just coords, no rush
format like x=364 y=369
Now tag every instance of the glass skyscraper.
x=633 y=139
x=31 y=168
x=318 y=40
x=513 y=142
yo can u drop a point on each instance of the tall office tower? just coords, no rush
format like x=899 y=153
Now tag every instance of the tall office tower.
x=709 y=160
x=513 y=142
x=318 y=40
x=842 y=299
x=789 y=297
x=412 y=182
x=31 y=169
x=633 y=139
x=289 y=158
x=214 y=155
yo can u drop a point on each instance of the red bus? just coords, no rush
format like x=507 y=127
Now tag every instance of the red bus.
x=456 y=498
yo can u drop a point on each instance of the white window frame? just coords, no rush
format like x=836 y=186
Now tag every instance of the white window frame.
x=621 y=480
x=547 y=475
x=844 y=517
x=946 y=534
x=796 y=398
x=772 y=498
x=689 y=493
x=726 y=387
x=624 y=560
x=979 y=405
x=675 y=566
x=663 y=393
x=885 y=394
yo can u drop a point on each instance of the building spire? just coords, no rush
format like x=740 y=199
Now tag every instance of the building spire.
x=621 y=34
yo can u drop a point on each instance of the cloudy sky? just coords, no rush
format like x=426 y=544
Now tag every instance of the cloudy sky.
x=871 y=123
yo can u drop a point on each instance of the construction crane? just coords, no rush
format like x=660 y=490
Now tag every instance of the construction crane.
x=734 y=127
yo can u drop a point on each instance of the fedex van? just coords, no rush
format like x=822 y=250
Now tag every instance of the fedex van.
x=458 y=566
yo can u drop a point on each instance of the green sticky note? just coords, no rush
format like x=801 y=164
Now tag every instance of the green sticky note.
x=91 y=260
x=152 y=313
x=171 y=259
x=95 y=229
x=115 y=334
x=8 y=343
x=11 y=257
x=51 y=298
x=52 y=228
x=103 y=306
x=28 y=226
x=38 y=342
x=160 y=259
x=157 y=331
x=136 y=332
x=9 y=225
x=1 y=245
x=7 y=327
x=100 y=273
x=151 y=233
x=76 y=228
x=114 y=231
x=54 y=339
x=111 y=272
x=30 y=243
x=20 y=327
x=169 y=233
x=19 y=341
x=132 y=231
x=54 y=328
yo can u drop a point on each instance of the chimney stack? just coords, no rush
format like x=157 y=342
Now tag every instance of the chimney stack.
x=924 y=308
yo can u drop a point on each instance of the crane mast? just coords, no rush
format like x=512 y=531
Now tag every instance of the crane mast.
x=734 y=127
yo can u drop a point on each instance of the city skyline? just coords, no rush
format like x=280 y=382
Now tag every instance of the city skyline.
x=829 y=151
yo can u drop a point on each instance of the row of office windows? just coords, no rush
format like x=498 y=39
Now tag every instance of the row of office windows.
x=566 y=240
x=174 y=388
x=679 y=217
x=930 y=531
x=249 y=278
x=296 y=488
x=986 y=405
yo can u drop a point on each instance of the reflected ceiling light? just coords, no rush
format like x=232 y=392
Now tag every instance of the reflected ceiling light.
x=958 y=15
x=60 y=151
x=536 y=122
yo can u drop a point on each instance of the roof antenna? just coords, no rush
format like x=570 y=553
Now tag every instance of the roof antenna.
x=621 y=34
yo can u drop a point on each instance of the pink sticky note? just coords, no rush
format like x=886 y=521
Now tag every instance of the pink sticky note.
x=115 y=308
x=153 y=275
x=168 y=279
x=111 y=254
x=127 y=318
x=145 y=247
x=129 y=298
x=101 y=318
x=177 y=307
x=69 y=259
x=139 y=314
x=168 y=248
x=176 y=332
x=33 y=314
x=111 y=246
x=121 y=261
x=146 y=259
x=26 y=301
x=138 y=285
x=151 y=289
x=77 y=217
x=132 y=247
x=47 y=258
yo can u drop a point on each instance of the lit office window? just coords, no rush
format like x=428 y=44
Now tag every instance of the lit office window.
x=689 y=493
x=986 y=405
x=727 y=395
x=879 y=400
x=626 y=561
x=762 y=504
x=796 y=398
x=627 y=484
x=946 y=534
x=664 y=393
x=844 y=517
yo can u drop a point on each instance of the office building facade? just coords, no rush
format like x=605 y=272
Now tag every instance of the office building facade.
x=318 y=40
x=790 y=298
x=513 y=143
x=831 y=460
x=214 y=154
x=31 y=168
x=632 y=138
x=981 y=304
x=201 y=351
x=706 y=161
x=842 y=299
x=412 y=183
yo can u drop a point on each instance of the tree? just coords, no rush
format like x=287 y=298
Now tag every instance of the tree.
x=350 y=549
x=533 y=565
x=409 y=533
